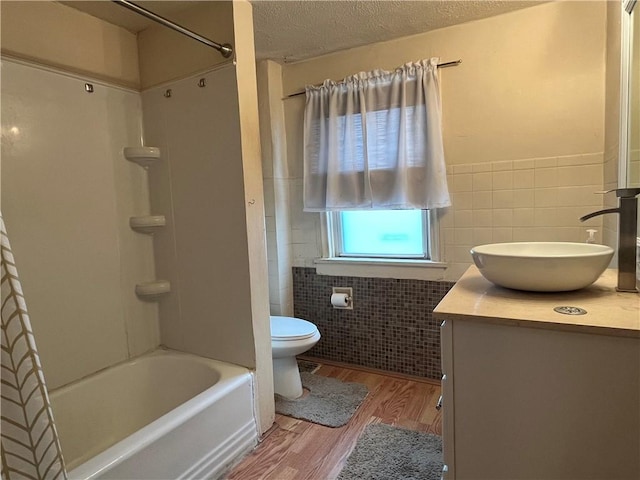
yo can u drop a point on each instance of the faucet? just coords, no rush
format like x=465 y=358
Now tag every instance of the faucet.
x=627 y=232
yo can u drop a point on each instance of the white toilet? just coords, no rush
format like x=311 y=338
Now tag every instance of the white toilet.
x=290 y=337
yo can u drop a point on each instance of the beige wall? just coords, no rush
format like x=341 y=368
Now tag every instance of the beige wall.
x=523 y=126
x=52 y=34
x=163 y=52
x=530 y=84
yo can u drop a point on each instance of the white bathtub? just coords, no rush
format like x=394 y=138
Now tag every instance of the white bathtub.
x=166 y=415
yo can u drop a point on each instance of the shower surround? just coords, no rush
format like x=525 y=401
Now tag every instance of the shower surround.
x=69 y=193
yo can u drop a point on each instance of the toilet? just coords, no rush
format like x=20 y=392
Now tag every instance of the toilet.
x=290 y=337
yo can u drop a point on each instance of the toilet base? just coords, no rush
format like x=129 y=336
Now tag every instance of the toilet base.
x=286 y=377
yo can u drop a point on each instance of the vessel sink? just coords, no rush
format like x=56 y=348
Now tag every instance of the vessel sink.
x=542 y=266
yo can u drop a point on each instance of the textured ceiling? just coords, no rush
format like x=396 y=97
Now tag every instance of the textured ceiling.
x=291 y=30
x=294 y=30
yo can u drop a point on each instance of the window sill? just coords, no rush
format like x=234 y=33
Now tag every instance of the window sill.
x=381 y=268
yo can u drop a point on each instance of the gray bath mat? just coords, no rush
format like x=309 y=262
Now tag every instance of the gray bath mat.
x=330 y=402
x=384 y=452
x=307 y=366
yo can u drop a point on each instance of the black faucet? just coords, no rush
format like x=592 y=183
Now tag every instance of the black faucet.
x=627 y=233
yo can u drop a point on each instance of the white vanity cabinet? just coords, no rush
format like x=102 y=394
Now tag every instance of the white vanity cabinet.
x=527 y=399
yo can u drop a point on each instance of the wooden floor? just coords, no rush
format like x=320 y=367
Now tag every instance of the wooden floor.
x=295 y=449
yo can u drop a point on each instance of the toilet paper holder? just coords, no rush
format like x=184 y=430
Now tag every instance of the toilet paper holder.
x=342 y=298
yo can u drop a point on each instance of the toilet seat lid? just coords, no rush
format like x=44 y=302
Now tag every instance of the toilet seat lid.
x=290 y=328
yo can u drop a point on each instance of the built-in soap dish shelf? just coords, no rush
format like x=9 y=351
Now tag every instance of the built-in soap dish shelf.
x=148 y=224
x=153 y=290
x=143 y=156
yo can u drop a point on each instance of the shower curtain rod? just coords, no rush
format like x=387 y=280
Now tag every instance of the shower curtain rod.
x=440 y=65
x=225 y=50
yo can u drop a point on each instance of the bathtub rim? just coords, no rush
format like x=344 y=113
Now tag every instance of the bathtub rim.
x=231 y=376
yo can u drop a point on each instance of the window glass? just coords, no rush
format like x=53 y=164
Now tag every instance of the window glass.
x=380 y=233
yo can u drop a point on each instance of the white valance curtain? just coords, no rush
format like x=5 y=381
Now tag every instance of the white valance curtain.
x=374 y=141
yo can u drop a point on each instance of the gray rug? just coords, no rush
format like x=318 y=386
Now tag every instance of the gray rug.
x=384 y=452
x=330 y=402
x=307 y=366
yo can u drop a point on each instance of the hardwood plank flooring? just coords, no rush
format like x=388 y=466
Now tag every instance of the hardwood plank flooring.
x=299 y=450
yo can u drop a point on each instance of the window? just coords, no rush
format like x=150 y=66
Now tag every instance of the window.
x=381 y=234
x=374 y=142
x=374 y=164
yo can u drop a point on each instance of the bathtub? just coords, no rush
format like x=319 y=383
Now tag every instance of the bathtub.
x=165 y=415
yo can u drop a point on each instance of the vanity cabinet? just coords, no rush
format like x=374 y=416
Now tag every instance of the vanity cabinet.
x=527 y=399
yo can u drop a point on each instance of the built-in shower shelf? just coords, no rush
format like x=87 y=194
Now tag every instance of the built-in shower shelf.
x=143 y=156
x=148 y=223
x=153 y=290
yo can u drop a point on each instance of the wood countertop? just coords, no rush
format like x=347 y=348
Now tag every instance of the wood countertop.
x=608 y=312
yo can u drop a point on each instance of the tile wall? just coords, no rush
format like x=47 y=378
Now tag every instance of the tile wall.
x=538 y=199
x=391 y=326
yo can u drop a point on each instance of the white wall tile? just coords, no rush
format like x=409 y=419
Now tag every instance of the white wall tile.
x=523 y=179
x=523 y=217
x=524 y=198
x=482 y=218
x=462 y=218
x=462 y=183
x=464 y=168
x=462 y=200
x=545 y=217
x=482 y=200
x=528 y=164
x=523 y=234
x=580 y=175
x=546 y=177
x=502 y=198
x=463 y=236
x=482 y=181
x=502 y=180
x=502 y=217
x=580 y=196
x=482 y=235
x=502 y=166
x=481 y=167
x=546 y=162
x=502 y=234
x=546 y=197
x=461 y=254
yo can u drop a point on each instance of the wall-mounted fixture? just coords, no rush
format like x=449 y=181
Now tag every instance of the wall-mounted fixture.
x=143 y=156
x=342 y=298
x=148 y=224
x=153 y=290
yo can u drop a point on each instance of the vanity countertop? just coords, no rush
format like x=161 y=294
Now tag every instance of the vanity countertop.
x=608 y=312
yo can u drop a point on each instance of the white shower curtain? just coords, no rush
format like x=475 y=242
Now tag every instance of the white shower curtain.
x=30 y=445
x=374 y=141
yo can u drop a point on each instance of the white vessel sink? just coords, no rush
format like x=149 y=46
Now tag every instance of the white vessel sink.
x=542 y=266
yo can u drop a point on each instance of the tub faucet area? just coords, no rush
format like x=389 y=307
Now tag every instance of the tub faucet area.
x=627 y=233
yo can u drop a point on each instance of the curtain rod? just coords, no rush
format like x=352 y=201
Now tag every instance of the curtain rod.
x=225 y=50
x=455 y=63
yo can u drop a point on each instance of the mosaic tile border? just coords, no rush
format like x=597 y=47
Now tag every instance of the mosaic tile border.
x=391 y=327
